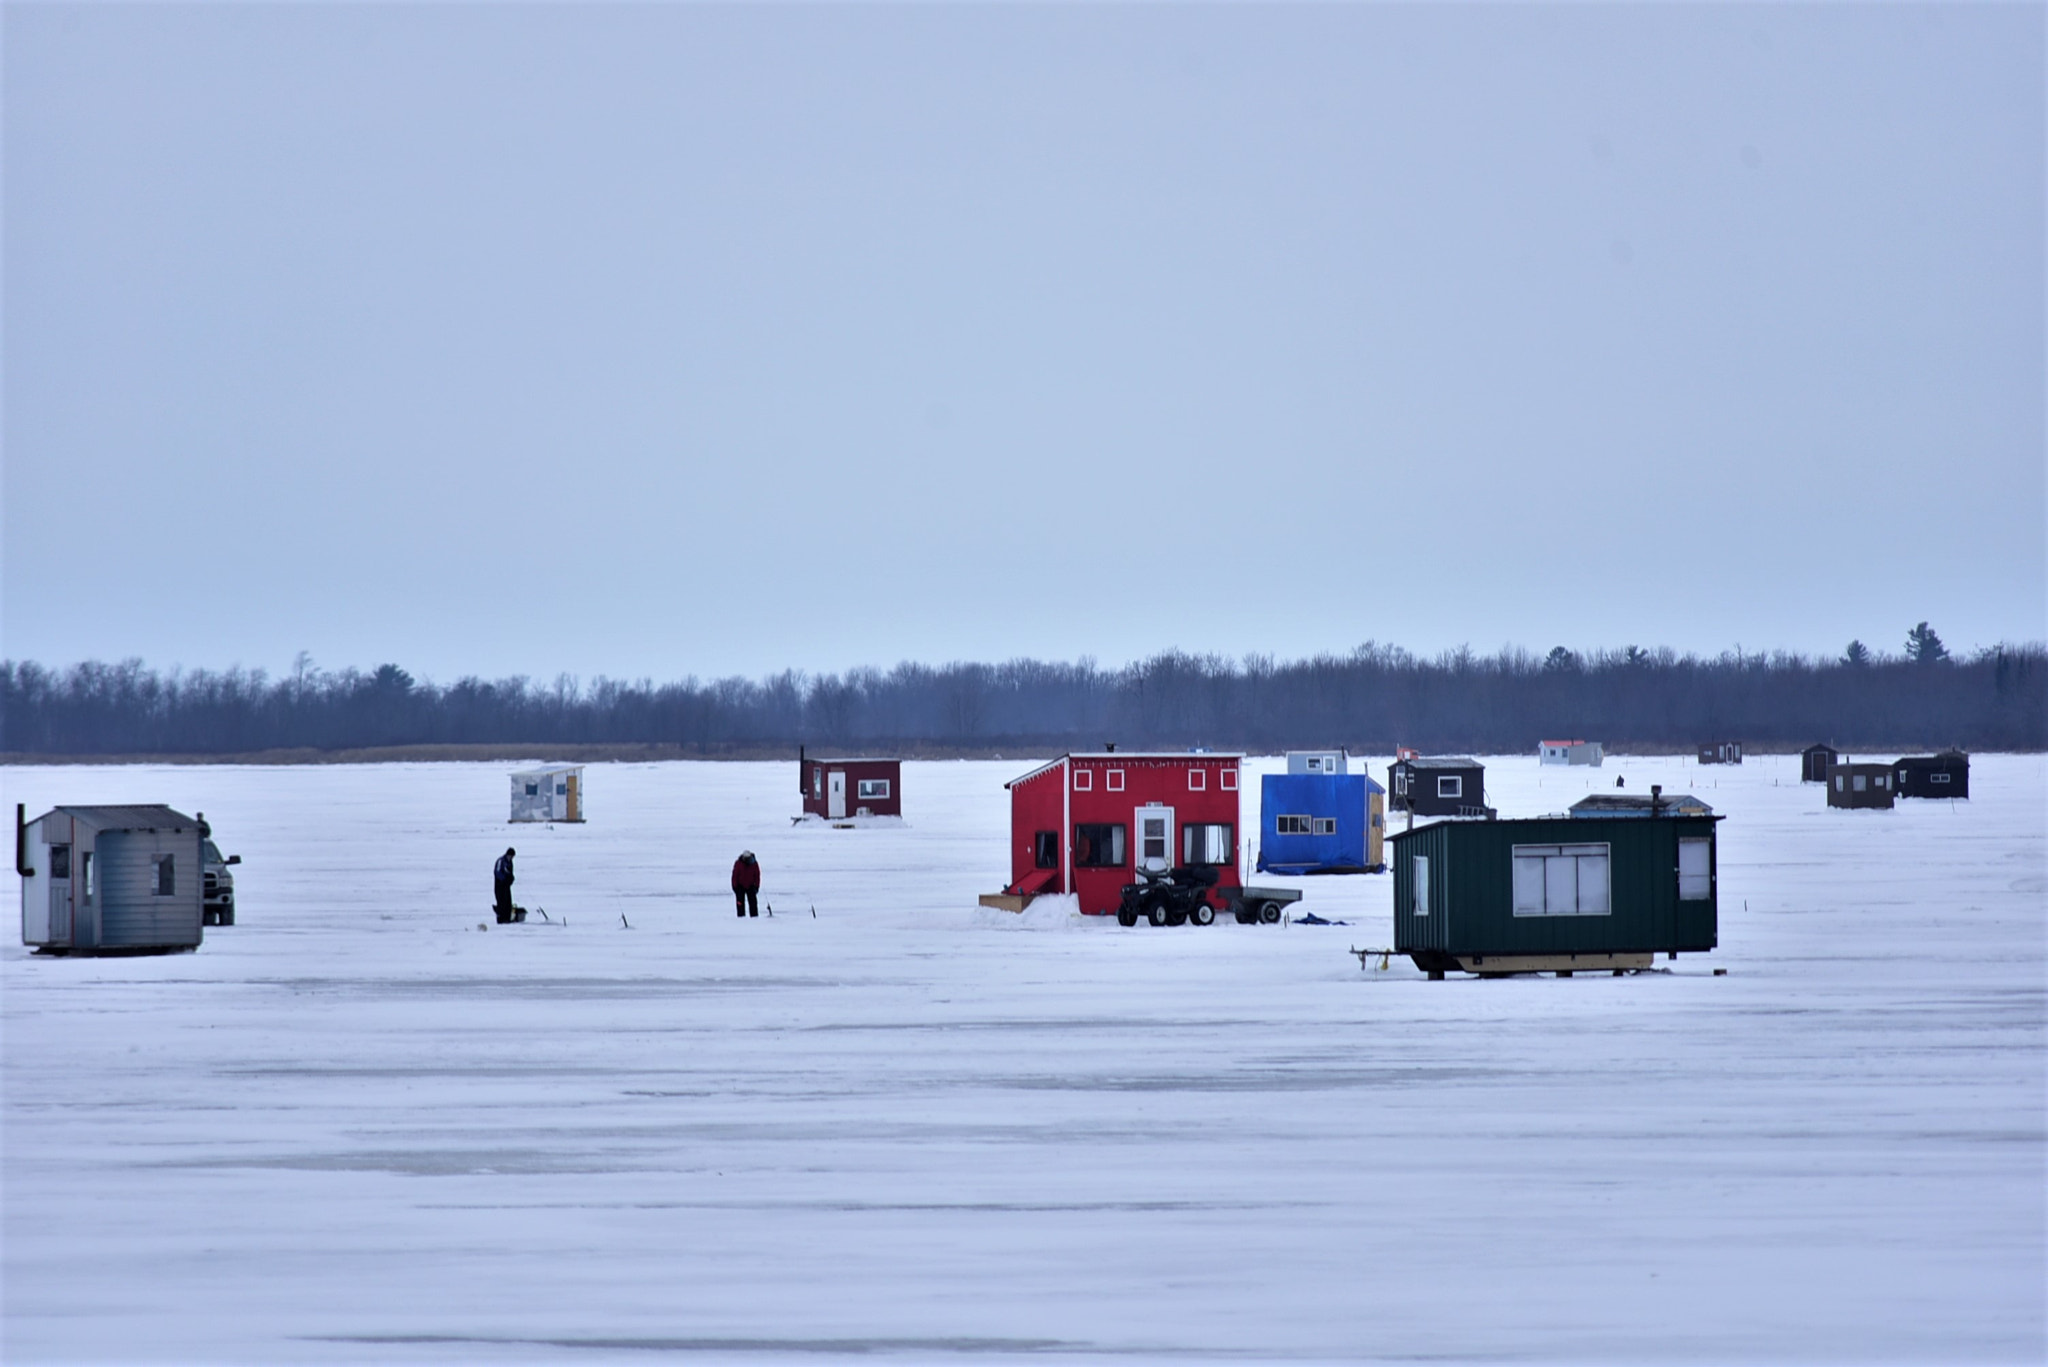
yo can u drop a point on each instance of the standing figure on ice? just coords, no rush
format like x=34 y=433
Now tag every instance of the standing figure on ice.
x=501 y=884
x=746 y=885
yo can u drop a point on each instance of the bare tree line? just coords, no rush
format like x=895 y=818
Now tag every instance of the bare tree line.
x=1371 y=699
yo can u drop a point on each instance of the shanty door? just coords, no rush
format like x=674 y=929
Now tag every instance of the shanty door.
x=574 y=809
x=1155 y=837
x=835 y=794
x=60 y=895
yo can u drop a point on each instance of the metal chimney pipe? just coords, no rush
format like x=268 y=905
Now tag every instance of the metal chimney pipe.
x=21 y=842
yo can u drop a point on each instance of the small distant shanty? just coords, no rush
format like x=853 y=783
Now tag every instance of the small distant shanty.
x=1815 y=761
x=553 y=792
x=1944 y=775
x=1438 y=785
x=840 y=788
x=1721 y=752
x=1861 y=785
x=109 y=880
x=1586 y=752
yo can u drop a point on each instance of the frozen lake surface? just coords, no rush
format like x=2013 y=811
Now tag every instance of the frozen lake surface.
x=357 y=1127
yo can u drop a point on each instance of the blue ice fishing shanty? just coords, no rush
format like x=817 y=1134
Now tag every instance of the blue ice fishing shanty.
x=1317 y=818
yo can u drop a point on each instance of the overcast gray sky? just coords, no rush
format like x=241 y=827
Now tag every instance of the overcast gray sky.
x=658 y=340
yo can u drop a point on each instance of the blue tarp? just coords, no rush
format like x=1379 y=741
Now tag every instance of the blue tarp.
x=1324 y=798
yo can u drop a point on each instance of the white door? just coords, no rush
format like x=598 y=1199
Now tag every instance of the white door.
x=60 y=899
x=835 y=800
x=1155 y=836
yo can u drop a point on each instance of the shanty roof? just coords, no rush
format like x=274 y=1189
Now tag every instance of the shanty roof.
x=1441 y=762
x=1563 y=742
x=139 y=817
x=548 y=769
x=852 y=759
x=1125 y=754
x=1639 y=804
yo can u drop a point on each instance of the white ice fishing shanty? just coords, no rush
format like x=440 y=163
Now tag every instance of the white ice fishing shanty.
x=1586 y=752
x=553 y=792
x=109 y=880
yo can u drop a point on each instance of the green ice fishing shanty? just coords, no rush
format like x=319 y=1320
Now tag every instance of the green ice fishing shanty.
x=1616 y=882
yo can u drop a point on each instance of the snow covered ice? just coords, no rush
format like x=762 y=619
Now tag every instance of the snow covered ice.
x=358 y=1127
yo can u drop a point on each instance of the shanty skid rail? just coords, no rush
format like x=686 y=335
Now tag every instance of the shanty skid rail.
x=1503 y=965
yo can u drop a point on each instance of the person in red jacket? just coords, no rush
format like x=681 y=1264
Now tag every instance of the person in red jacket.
x=746 y=884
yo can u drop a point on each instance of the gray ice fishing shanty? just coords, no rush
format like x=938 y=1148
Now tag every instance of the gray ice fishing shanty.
x=553 y=792
x=109 y=880
x=1586 y=752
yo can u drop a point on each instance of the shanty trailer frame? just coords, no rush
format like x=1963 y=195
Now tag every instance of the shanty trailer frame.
x=1082 y=823
x=837 y=789
x=110 y=880
x=552 y=792
x=1521 y=896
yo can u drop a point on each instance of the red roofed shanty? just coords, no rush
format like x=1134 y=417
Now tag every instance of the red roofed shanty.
x=1084 y=823
x=839 y=788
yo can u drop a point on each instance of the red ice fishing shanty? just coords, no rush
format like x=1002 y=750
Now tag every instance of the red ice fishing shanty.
x=1084 y=824
x=843 y=789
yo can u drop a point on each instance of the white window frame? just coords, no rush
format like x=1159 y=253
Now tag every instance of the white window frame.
x=1084 y=780
x=1292 y=823
x=1419 y=885
x=1450 y=785
x=1324 y=825
x=1940 y=777
x=1539 y=891
x=1198 y=780
x=1696 y=885
x=872 y=790
x=1115 y=781
x=1229 y=781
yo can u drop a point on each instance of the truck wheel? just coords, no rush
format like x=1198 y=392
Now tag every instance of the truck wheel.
x=1157 y=916
x=1269 y=912
x=1126 y=917
x=1202 y=914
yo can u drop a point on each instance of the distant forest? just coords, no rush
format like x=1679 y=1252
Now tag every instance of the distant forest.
x=1370 y=700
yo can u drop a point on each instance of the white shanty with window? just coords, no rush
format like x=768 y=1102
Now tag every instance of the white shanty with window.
x=100 y=879
x=553 y=792
x=1563 y=880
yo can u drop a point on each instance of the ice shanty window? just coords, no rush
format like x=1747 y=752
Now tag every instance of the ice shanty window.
x=1046 y=849
x=562 y=789
x=1292 y=825
x=1938 y=778
x=1115 y=781
x=1084 y=780
x=1326 y=825
x=1152 y=839
x=1860 y=783
x=817 y=783
x=1695 y=871
x=1208 y=842
x=1838 y=783
x=1229 y=781
x=1421 y=885
x=1098 y=846
x=533 y=790
x=1450 y=785
x=166 y=883
x=1561 y=880
x=60 y=861
x=874 y=788
x=1198 y=780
